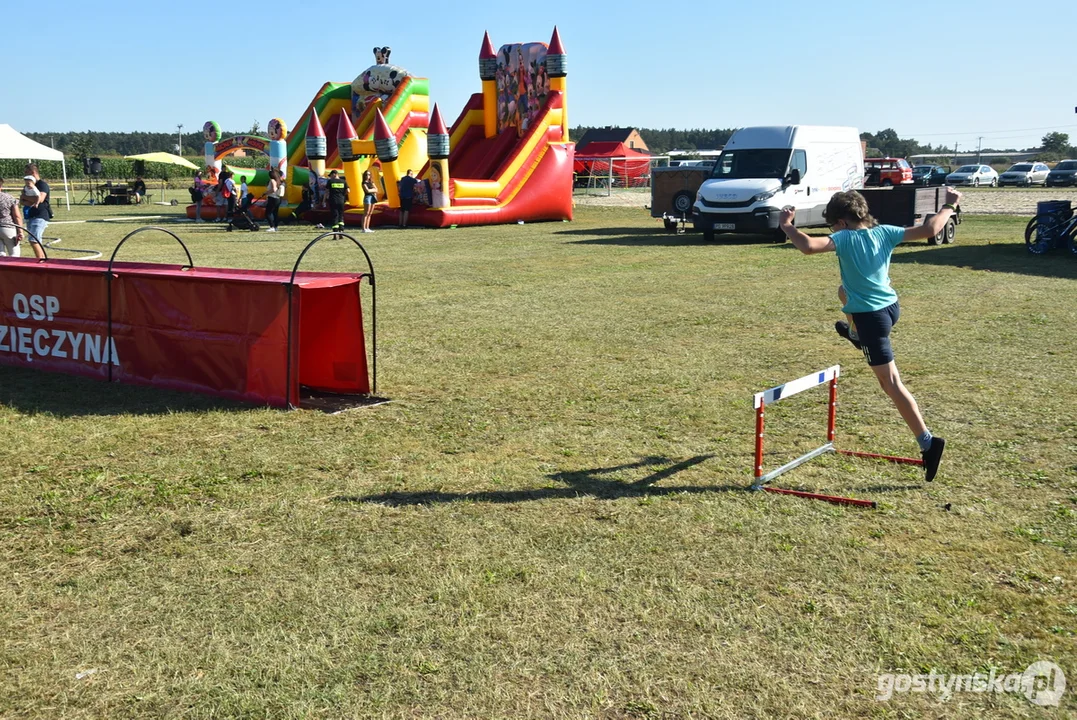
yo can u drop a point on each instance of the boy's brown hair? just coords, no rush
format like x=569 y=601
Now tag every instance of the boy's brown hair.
x=851 y=207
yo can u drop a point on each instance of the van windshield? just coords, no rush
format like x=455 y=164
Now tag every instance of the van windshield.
x=747 y=164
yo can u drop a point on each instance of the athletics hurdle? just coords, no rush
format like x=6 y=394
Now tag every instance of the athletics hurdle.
x=773 y=395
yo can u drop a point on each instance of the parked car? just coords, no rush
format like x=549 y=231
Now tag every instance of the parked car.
x=1027 y=173
x=974 y=175
x=928 y=175
x=887 y=171
x=1064 y=173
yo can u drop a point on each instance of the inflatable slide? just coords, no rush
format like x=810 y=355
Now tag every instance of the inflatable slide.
x=507 y=158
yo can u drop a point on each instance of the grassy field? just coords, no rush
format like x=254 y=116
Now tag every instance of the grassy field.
x=550 y=519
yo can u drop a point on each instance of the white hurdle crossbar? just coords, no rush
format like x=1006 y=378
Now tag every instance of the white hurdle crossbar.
x=768 y=397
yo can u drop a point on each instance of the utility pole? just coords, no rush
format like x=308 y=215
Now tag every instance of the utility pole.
x=979 y=146
x=179 y=136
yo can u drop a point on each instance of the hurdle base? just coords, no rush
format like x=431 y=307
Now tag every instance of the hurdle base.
x=889 y=458
x=835 y=499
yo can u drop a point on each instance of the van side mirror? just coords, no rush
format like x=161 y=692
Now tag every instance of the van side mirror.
x=793 y=177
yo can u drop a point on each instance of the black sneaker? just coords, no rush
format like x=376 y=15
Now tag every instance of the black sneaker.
x=932 y=457
x=842 y=329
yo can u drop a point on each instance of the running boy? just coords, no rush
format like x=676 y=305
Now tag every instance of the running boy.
x=871 y=305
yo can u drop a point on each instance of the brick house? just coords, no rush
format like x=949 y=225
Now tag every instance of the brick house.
x=630 y=137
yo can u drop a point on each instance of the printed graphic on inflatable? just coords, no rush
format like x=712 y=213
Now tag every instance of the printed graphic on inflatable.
x=380 y=80
x=211 y=132
x=437 y=193
x=522 y=85
x=278 y=146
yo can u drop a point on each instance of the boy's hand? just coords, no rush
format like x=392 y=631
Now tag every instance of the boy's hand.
x=953 y=197
x=787 y=216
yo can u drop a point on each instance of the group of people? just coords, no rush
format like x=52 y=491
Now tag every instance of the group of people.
x=333 y=191
x=405 y=188
x=227 y=197
x=27 y=216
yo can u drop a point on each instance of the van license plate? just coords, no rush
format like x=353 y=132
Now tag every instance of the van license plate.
x=725 y=226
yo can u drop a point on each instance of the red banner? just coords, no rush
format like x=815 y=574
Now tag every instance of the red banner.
x=217 y=331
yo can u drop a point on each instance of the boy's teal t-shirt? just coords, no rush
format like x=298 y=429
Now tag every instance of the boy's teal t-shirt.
x=864 y=259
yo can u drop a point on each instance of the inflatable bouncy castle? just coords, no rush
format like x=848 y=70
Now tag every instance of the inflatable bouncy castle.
x=507 y=157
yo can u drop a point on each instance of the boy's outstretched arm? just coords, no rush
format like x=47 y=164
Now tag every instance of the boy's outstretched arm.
x=804 y=243
x=938 y=221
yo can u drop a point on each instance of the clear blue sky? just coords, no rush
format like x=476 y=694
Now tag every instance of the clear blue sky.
x=938 y=72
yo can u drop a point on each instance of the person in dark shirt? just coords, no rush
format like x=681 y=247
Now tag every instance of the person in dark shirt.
x=139 y=189
x=39 y=213
x=337 y=187
x=407 y=195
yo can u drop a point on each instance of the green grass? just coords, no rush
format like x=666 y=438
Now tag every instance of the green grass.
x=550 y=519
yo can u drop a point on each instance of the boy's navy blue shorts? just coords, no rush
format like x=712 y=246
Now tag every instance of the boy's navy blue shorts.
x=873 y=328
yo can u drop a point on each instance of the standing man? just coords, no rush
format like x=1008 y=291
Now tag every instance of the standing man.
x=10 y=224
x=338 y=196
x=407 y=194
x=39 y=213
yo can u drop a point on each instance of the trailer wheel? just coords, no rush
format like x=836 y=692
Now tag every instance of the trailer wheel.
x=937 y=238
x=949 y=231
x=682 y=202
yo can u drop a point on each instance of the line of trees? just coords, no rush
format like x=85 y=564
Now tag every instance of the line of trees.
x=883 y=143
x=96 y=144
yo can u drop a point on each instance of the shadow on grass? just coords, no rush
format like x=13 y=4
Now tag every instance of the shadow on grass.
x=592 y=482
x=1008 y=258
x=35 y=392
x=656 y=237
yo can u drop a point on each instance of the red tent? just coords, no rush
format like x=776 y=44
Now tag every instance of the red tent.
x=628 y=166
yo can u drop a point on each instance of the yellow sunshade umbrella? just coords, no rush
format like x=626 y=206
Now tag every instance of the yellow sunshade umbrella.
x=164 y=158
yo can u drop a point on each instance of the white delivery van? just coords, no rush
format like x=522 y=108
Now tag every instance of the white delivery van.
x=763 y=169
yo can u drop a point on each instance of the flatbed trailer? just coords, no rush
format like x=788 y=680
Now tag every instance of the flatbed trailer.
x=673 y=191
x=906 y=206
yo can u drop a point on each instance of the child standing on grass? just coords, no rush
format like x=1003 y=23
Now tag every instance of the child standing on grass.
x=864 y=248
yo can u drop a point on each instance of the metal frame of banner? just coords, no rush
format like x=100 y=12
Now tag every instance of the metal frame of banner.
x=290 y=285
x=108 y=278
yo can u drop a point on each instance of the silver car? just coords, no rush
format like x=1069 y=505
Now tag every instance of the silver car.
x=974 y=175
x=1028 y=173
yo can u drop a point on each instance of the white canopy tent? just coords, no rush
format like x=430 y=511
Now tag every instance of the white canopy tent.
x=14 y=144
